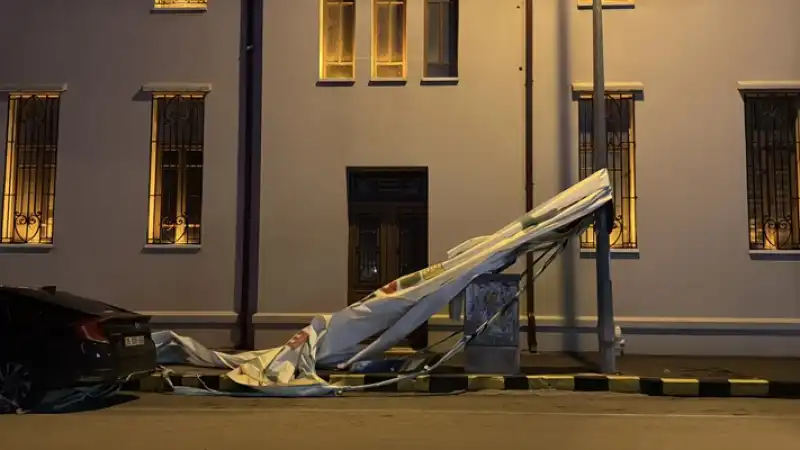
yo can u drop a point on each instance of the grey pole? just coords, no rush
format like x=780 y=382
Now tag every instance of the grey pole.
x=605 y=304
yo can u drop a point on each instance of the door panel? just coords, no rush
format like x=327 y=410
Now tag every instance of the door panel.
x=368 y=257
x=388 y=215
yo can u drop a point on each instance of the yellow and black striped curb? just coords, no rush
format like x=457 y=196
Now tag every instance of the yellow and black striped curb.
x=673 y=387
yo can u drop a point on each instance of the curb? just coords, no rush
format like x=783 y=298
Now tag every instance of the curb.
x=670 y=387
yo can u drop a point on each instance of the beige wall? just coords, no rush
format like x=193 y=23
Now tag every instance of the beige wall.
x=104 y=52
x=693 y=271
x=694 y=267
x=470 y=136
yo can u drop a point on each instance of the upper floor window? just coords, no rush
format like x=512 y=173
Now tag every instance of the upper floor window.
x=180 y=4
x=621 y=145
x=441 y=39
x=176 y=169
x=773 y=197
x=389 y=39
x=337 y=46
x=29 y=187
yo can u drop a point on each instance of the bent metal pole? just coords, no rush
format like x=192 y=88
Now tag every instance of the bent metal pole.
x=605 y=305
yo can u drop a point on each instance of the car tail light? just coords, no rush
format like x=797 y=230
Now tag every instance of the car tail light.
x=91 y=330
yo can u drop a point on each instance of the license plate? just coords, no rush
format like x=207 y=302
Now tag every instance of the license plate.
x=134 y=341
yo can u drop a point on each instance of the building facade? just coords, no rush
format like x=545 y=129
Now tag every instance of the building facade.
x=385 y=132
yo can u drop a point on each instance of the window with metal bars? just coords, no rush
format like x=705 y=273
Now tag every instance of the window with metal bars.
x=773 y=168
x=29 y=186
x=621 y=146
x=389 y=39
x=180 y=4
x=337 y=46
x=176 y=169
x=441 y=39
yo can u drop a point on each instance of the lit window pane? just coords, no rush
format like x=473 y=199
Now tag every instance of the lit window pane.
x=398 y=35
x=383 y=32
x=348 y=30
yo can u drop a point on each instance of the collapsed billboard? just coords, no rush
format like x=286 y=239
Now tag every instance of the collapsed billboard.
x=395 y=310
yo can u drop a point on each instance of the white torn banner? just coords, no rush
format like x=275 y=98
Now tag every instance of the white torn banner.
x=396 y=309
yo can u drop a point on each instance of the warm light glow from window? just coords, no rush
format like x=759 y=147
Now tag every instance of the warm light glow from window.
x=176 y=165
x=337 y=39
x=620 y=132
x=772 y=122
x=389 y=39
x=30 y=169
x=181 y=4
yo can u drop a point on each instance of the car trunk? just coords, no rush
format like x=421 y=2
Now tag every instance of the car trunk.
x=129 y=335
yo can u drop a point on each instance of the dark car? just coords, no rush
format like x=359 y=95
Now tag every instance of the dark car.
x=51 y=339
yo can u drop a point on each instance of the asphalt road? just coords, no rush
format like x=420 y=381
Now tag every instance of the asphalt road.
x=485 y=421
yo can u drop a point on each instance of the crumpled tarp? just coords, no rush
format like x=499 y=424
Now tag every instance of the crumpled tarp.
x=333 y=340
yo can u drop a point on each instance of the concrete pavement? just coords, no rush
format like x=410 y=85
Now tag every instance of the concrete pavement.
x=485 y=421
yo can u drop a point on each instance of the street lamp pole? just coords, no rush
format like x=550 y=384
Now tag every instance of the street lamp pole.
x=603 y=221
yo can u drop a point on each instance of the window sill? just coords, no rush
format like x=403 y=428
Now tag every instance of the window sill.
x=439 y=81
x=26 y=248
x=336 y=82
x=616 y=253
x=388 y=82
x=775 y=255
x=172 y=248
x=179 y=9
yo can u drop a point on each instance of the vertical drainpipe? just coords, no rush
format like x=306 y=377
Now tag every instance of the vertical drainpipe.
x=533 y=345
x=249 y=170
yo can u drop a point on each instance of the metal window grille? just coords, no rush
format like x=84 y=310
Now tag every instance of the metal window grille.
x=338 y=39
x=620 y=118
x=773 y=198
x=30 y=169
x=441 y=38
x=189 y=4
x=389 y=39
x=176 y=169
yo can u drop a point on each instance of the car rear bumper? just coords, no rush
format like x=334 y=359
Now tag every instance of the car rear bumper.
x=116 y=366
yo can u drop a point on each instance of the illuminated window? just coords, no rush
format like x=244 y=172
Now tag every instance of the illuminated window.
x=337 y=46
x=621 y=163
x=176 y=169
x=30 y=169
x=389 y=39
x=441 y=39
x=180 y=4
x=773 y=145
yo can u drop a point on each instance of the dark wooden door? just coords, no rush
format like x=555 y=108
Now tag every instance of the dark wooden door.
x=388 y=213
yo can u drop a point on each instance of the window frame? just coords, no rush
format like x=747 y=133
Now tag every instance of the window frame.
x=10 y=222
x=324 y=64
x=374 y=63
x=452 y=50
x=155 y=216
x=771 y=196
x=625 y=221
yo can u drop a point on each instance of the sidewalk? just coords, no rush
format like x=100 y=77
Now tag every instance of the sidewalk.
x=640 y=374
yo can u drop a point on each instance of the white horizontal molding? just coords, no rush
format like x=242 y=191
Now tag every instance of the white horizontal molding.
x=192 y=317
x=33 y=87
x=588 y=3
x=760 y=85
x=176 y=87
x=285 y=318
x=561 y=322
x=615 y=86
